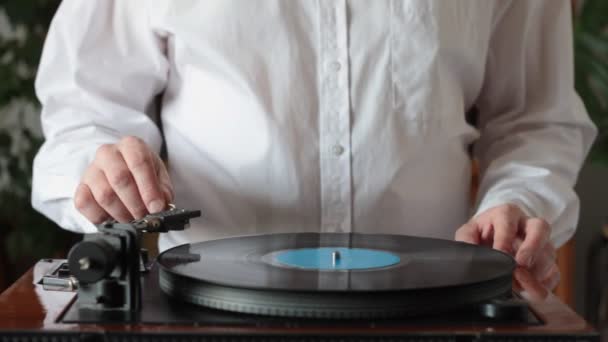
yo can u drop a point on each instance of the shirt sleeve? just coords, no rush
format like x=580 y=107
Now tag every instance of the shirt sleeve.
x=101 y=69
x=535 y=132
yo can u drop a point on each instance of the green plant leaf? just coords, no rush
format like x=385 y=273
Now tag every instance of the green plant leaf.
x=592 y=15
x=591 y=69
x=594 y=42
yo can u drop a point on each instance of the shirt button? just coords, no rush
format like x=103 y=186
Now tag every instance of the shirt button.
x=338 y=150
x=335 y=66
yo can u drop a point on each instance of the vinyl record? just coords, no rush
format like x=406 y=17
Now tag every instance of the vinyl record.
x=332 y=275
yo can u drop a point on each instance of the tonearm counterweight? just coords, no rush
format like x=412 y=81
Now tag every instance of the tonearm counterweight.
x=108 y=264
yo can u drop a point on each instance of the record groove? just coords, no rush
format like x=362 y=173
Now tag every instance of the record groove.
x=202 y=274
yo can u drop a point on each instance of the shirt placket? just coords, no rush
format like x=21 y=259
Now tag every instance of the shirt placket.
x=335 y=142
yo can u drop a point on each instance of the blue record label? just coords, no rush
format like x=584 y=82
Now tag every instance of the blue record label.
x=336 y=258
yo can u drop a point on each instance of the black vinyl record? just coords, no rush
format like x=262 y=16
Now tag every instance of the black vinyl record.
x=388 y=275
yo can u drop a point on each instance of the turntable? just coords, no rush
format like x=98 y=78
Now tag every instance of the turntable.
x=282 y=287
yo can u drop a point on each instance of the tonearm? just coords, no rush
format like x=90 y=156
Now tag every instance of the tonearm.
x=108 y=264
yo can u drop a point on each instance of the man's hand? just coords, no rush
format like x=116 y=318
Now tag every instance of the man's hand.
x=125 y=181
x=507 y=228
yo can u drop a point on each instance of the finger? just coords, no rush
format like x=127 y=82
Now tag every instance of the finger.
x=517 y=243
x=169 y=197
x=549 y=249
x=468 y=233
x=105 y=196
x=487 y=232
x=552 y=279
x=110 y=161
x=543 y=267
x=533 y=290
x=165 y=181
x=505 y=230
x=87 y=205
x=140 y=161
x=536 y=236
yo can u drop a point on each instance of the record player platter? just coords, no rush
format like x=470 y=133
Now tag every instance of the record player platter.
x=335 y=275
x=281 y=288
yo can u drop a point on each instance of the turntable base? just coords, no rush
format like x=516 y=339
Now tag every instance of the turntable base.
x=29 y=313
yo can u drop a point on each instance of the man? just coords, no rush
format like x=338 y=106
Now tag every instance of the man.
x=330 y=116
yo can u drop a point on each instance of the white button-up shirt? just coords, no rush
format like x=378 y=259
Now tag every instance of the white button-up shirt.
x=324 y=116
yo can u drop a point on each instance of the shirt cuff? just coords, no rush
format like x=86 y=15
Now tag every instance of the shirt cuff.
x=526 y=202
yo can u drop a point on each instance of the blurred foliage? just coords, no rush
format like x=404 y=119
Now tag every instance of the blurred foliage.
x=591 y=68
x=26 y=234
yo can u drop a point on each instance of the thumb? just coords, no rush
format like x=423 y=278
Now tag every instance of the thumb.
x=168 y=193
x=165 y=181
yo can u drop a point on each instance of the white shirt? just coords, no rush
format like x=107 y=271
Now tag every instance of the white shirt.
x=324 y=116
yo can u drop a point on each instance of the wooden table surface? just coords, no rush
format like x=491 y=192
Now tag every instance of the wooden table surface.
x=25 y=306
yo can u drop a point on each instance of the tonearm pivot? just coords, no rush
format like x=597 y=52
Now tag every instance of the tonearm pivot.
x=108 y=264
